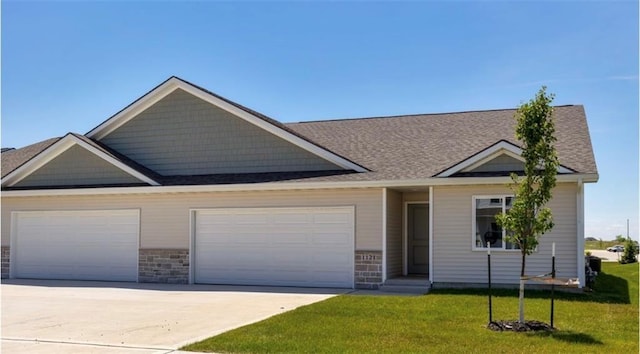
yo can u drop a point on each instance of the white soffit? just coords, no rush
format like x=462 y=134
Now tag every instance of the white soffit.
x=174 y=83
x=58 y=148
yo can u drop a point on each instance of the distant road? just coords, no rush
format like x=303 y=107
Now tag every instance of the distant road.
x=606 y=255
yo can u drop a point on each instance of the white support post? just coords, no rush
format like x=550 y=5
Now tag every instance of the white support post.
x=580 y=233
x=384 y=234
x=431 y=234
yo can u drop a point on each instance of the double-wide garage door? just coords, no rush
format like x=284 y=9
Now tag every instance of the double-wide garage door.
x=84 y=245
x=275 y=246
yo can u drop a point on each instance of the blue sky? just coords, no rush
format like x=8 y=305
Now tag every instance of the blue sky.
x=67 y=66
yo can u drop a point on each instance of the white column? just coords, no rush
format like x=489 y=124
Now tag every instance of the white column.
x=431 y=234
x=580 y=229
x=384 y=234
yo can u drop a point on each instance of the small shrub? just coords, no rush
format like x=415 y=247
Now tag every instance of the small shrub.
x=629 y=255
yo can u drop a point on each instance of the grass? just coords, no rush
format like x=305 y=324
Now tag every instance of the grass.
x=445 y=321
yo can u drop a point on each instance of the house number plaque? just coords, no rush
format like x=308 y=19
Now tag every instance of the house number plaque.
x=368 y=257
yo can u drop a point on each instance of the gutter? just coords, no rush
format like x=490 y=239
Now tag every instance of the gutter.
x=277 y=186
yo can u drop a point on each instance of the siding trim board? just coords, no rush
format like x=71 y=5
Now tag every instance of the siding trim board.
x=58 y=148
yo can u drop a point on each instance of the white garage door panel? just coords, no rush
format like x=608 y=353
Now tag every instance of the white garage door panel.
x=275 y=246
x=83 y=245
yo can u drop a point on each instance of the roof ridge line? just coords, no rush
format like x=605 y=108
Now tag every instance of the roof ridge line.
x=416 y=115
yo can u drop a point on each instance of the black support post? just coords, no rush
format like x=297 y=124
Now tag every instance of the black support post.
x=489 y=280
x=553 y=285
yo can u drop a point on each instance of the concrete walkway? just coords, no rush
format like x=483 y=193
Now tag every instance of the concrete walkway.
x=41 y=316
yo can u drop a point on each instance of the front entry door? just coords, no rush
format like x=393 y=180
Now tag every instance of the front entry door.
x=418 y=238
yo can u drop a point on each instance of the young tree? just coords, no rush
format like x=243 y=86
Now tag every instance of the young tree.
x=629 y=254
x=528 y=218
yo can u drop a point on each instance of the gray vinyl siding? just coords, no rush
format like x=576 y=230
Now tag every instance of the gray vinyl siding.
x=77 y=166
x=455 y=261
x=502 y=163
x=165 y=218
x=394 y=234
x=184 y=135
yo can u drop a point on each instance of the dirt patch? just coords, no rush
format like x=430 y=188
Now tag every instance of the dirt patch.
x=515 y=326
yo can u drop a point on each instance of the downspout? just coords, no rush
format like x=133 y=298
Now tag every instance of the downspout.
x=431 y=234
x=580 y=233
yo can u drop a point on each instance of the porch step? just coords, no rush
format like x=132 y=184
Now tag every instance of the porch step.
x=406 y=285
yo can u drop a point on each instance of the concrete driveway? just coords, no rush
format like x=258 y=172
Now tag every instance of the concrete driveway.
x=42 y=316
x=606 y=256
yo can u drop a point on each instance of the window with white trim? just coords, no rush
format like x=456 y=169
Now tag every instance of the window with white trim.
x=485 y=227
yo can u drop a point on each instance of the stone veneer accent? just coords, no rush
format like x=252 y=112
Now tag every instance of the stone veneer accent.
x=4 y=260
x=163 y=266
x=368 y=271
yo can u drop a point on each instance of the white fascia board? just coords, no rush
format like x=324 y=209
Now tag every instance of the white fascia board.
x=134 y=109
x=58 y=148
x=501 y=148
x=275 y=186
x=510 y=153
x=174 y=83
x=482 y=157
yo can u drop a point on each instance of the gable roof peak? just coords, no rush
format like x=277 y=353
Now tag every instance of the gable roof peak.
x=260 y=120
x=500 y=147
x=59 y=146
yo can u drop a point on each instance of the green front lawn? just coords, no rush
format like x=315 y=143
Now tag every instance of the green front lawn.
x=446 y=321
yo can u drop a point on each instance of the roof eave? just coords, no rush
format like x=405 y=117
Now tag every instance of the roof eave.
x=273 y=186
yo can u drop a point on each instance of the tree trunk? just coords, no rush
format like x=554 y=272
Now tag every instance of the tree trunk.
x=521 y=297
x=521 y=300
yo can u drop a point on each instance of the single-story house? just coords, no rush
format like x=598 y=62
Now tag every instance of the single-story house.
x=185 y=186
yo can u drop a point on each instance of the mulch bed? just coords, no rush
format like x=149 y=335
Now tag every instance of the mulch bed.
x=515 y=326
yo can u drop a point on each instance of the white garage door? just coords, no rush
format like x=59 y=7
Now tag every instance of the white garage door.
x=84 y=245
x=310 y=247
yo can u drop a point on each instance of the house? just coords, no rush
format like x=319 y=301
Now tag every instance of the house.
x=185 y=186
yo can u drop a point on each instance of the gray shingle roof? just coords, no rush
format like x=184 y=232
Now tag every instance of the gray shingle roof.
x=393 y=148
x=15 y=158
x=420 y=146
